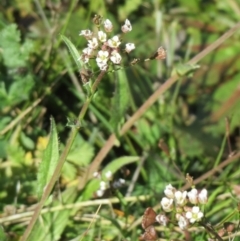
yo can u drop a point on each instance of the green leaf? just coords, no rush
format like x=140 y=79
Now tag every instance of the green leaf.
x=20 y=88
x=118 y=163
x=80 y=155
x=81 y=152
x=120 y=100
x=50 y=158
x=14 y=54
x=73 y=51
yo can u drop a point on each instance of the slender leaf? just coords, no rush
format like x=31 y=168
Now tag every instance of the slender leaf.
x=120 y=100
x=118 y=163
x=74 y=52
x=50 y=159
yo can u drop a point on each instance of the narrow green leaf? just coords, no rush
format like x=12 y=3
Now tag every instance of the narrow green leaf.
x=120 y=100
x=73 y=51
x=118 y=163
x=50 y=158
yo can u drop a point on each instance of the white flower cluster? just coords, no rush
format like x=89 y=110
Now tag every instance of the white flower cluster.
x=177 y=201
x=103 y=48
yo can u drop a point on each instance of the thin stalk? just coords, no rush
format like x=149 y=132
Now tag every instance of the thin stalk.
x=17 y=217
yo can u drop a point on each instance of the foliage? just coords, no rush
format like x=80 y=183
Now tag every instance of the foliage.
x=192 y=127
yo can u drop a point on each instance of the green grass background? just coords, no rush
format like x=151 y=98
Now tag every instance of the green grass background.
x=39 y=79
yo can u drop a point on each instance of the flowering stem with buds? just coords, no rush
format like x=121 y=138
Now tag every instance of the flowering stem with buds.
x=108 y=52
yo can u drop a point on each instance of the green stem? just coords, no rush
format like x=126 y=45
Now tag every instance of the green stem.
x=61 y=161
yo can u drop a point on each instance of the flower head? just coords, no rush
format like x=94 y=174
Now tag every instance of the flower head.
x=88 y=51
x=127 y=27
x=202 y=197
x=162 y=219
x=102 y=59
x=180 y=198
x=101 y=48
x=108 y=175
x=99 y=193
x=108 y=25
x=129 y=47
x=93 y=43
x=114 y=42
x=86 y=33
x=102 y=56
x=103 y=185
x=194 y=215
x=182 y=222
x=115 y=57
x=193 y=196
x=167 y=204
x=102 y=36
x=169 y=191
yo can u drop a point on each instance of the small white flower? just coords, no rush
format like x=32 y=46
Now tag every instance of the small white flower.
x=102 y=66
x=84 y=58
x=108 y=25
x=169 y=191
x=122 y=181
x=88 y=51
x=182 y=222
x=108 y=175
x=99 y=193
x=86 y=33
x=102 y=36
x=114 y=42
x=97 y=174
x=102 y=57
x=193 y=196
x=194 y=215
x=167 y=204
x=115 y=57
x=180 y=198
x=103 y=185
x=162 y=219
x=202 y=197
x=127 y=27
x=93 y=43
x=129 y=47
